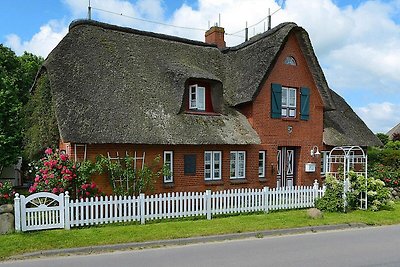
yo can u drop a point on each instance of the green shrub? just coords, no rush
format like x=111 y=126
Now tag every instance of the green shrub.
x=332 y=200
x=379 y=196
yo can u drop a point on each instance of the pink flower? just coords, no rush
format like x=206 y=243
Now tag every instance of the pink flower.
x=48 y=151
x=32 y=189
x=87 y=194
x=46 y=181
x=37 y=178
x=63 y=157
x=51 y=175
x=6 y=196
x=55 y=190
x=93 y=186
x=61 y=190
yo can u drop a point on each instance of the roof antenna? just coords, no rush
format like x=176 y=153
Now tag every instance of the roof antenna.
x=219 y=19
x=246 y=31
x=89 y=11
x=269 y=19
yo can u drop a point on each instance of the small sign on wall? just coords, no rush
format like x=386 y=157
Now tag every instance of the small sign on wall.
x=310 y=167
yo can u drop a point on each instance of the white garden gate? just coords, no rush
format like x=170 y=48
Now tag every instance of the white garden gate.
x=41 y=211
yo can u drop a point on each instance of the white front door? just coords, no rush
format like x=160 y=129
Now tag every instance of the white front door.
x=286 y=167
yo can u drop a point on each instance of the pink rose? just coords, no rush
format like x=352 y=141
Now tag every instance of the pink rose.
x=48 y=151
x=55 y=190
x=63 y=157
x=93 y=186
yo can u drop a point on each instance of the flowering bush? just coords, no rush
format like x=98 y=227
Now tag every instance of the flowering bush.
x=6 y=193
x=57 y=174
x=387 y=174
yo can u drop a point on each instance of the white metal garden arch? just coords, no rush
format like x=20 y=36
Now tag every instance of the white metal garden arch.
x=342 y=160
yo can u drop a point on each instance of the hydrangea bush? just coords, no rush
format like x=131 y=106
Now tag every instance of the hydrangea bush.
x=56 y=173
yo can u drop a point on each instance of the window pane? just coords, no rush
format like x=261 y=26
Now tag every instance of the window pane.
x=292 y=97
x=261 y=163
x=284 y=96
x=201 y=98
x=192 y=96
x=233 y=165
x=241 y=164
x=292 y=113
x=207 y=165
x=217 y=165
x=284 y=112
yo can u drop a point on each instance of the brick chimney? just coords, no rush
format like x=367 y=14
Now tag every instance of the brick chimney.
x=215 y=35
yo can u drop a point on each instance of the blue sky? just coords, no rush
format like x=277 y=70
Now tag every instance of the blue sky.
x=357 y=42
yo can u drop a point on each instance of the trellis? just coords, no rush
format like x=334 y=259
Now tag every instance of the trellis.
x=341 y=161
x=121 y=181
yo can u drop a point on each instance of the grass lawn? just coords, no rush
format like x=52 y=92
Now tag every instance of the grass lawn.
x=19 y=243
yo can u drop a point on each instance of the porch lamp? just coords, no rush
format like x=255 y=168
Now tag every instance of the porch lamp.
x=314 y=151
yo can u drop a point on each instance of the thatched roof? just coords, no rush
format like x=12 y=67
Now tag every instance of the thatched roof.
x=394 y=130
x=112 y=84
x=343 y=127
x=117 y=85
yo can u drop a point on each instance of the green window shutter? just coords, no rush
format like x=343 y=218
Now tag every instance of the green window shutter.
x=276 y=101
x=305 y=104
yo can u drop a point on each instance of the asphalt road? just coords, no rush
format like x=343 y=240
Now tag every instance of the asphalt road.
x=372 y=246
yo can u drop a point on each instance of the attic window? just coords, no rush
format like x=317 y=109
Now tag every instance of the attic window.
x=197 y=97
x=290 y=61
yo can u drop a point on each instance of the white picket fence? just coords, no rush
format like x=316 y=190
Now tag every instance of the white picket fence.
x=60 y=212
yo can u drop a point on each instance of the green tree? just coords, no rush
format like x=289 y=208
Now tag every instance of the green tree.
x=383 y=137
x=16 y=77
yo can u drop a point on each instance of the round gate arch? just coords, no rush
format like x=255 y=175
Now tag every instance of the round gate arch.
x=343 y=159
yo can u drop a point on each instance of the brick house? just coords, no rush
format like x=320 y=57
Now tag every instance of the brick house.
x=220 y=117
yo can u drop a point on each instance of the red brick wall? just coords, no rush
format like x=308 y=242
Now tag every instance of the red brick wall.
x=184 y=182
x=274 y=132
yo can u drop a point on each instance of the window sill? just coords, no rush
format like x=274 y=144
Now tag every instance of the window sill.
x=169 y=185
x=262 y=179
x=290 y=119
x=205 y=113
x=214 y=182
x=238 y=181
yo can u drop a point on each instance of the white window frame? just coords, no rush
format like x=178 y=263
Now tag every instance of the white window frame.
x=197 y=97
x=237 y=165
x=261 y=164
x=170 y=165
x=289 y=109
x=324 y=162
x=213 y=166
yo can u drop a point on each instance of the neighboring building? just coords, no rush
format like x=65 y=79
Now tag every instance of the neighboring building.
x=393 y=131
x=12 y=173
x=243 y=116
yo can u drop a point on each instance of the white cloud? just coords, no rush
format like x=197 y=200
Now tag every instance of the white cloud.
x=380 y=117
x=42 y=42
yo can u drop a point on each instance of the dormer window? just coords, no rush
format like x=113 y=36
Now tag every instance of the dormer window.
x=203 y=97
x=197 y=97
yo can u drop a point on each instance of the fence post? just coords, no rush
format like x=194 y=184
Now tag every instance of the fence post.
x=67 y=224
x=315 y=187
x=142 y=209
x=17 y=213
x=265 y=199
x=208 y=204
